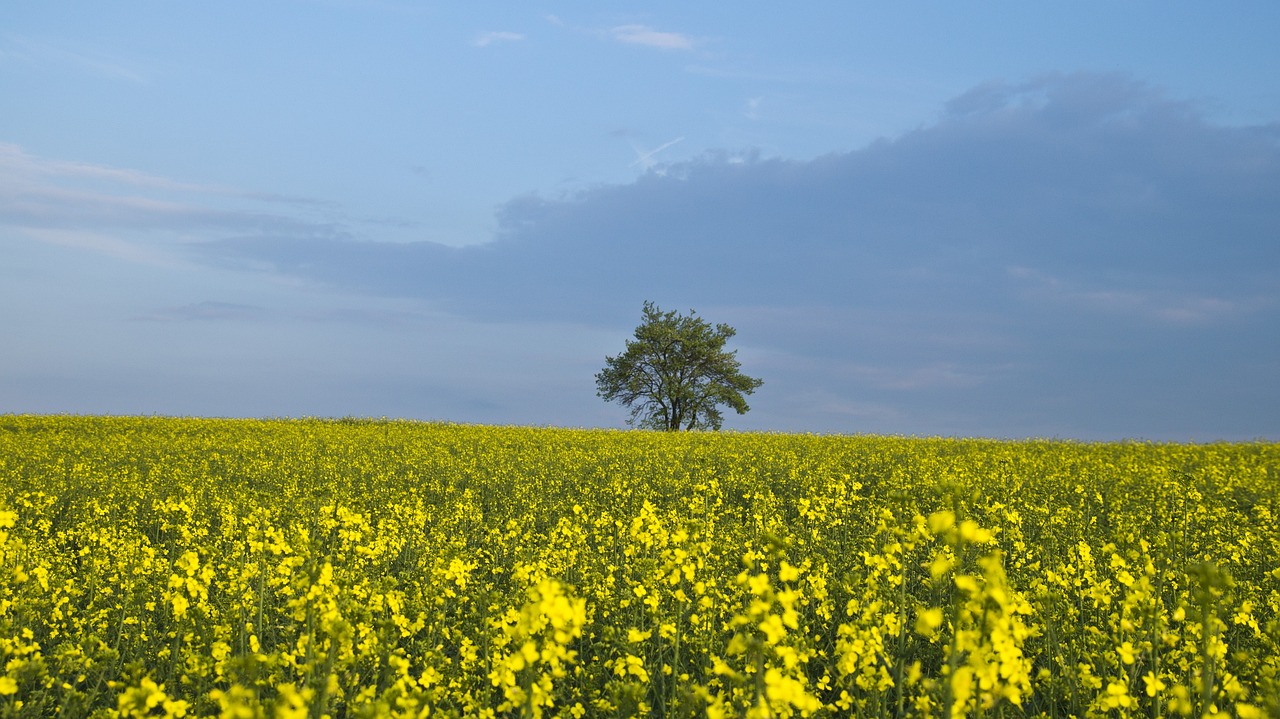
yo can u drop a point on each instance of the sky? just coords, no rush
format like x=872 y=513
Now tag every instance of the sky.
x=998 y=219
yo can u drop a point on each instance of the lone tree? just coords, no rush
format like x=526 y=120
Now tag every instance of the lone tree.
x=676 y=373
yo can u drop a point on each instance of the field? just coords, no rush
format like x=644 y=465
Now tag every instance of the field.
x=183 y=567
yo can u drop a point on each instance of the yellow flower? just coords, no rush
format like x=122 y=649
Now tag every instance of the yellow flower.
x=785 y=692
x=928 y=621
x=773 y=629
x=1126 y=652
x=968 y=584
x=971 y=532
x=140 y=700
x=634 y=666
x=238 y=702
x=1117 y=697
x=788 y=573
x=941 y=564
x=758 y=584
x=940 y=522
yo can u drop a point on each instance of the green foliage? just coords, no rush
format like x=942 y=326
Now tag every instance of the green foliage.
x=676 y=373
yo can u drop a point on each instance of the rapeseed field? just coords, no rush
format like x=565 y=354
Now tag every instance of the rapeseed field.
x=301 y=568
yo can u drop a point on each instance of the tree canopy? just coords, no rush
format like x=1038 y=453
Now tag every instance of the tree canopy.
x=676 y=373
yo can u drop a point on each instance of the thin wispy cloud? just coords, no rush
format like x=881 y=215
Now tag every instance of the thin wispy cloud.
x=129 y=214
x=102 y=244
x=500 y=36
x=15 y=162
x=1187 y=307
x=207 y=311
x=649 y=37
x=19 y=168
x=647 y=159
x=39 y=52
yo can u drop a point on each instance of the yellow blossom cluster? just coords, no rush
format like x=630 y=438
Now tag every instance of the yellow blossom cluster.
x=154 y=567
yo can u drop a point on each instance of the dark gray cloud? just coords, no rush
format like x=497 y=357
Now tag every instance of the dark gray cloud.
x=1076 y=254
x=1098 y=179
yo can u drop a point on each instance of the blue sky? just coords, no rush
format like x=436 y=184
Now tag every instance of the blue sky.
x=995 y=219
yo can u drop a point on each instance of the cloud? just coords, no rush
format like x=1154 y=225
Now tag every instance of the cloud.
x=96 y=243
x=78 y=59
x=117 y=211
x=1072 y=244
x=648 y=37
x=18 y=167
x=207 y=311
x=1104 y=179
x=1075 y=255
x=488 y=38
x=645 y=159
x=1151 y=305
x=15 y=163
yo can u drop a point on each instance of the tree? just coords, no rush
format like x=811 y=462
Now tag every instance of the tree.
x=676 y=373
